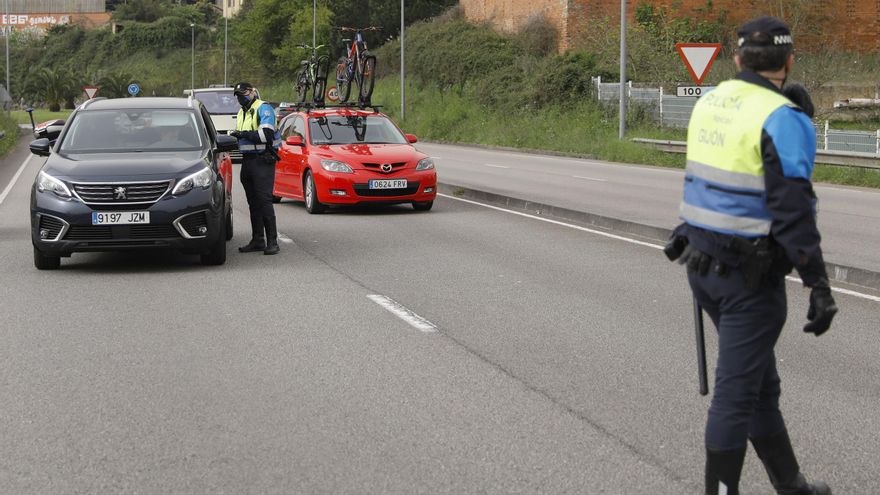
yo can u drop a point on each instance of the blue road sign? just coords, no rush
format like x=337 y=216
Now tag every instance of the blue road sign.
x=133 y=89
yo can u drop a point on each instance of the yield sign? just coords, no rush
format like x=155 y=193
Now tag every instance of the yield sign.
x=698 y=58
x=91 y=91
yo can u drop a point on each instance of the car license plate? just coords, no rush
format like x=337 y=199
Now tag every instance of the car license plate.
x=388 y=184
x=120 y=217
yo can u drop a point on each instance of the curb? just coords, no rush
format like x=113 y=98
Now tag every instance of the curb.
x=836 y=272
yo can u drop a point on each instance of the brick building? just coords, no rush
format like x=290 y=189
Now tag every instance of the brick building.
x=852 y=25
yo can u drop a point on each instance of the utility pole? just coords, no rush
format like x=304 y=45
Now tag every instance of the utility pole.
x=314 y=23
x=402 y=71
x=622 y=127
x=6 y=30
x=192 y=80
x=225 y=45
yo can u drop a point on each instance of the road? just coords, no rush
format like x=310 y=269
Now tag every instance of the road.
x=849 y=217
x=560 y=361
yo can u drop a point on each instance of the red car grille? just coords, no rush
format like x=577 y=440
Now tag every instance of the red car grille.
x=364 y=190
x=378 y=166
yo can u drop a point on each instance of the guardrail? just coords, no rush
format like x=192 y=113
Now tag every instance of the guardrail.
x=827 y=157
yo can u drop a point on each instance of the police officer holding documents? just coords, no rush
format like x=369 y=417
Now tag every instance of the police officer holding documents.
x=749 y=216
x=257 y=141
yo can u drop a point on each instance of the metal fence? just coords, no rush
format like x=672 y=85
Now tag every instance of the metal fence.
x=55 y=6
x=674 y=111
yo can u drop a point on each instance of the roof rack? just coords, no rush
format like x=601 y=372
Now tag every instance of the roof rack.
x=309 y=106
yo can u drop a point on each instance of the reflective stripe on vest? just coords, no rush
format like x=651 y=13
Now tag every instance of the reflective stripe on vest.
x=724 y=187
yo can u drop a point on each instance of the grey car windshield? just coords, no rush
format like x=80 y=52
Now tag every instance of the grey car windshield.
x=218 y=102
x=100 y=131
x=354 y=129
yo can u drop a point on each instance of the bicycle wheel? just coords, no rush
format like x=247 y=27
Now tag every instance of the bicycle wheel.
x=367 y=79
x=344 y=75
x=320 y=85
x=302 y=84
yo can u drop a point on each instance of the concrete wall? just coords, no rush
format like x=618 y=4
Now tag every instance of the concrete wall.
x=512 y=15
x=54 y=6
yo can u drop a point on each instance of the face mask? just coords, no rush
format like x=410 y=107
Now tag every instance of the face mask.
x=244 y=100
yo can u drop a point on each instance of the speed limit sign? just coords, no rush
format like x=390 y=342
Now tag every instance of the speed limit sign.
x=333 y=93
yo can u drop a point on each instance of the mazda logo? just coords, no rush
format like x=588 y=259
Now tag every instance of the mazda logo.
x=119 y=192
x=386 y=167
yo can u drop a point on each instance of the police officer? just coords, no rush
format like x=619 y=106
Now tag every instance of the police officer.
x=749 y=216
x=257 y=141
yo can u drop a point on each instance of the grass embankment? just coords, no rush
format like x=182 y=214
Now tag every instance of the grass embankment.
x=10 y=127
x=40 y=115
x=579 y=128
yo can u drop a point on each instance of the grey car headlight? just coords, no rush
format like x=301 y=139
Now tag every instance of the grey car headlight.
x=425 y=164
x=202 y=178
x=336 y=166
x=46 y=182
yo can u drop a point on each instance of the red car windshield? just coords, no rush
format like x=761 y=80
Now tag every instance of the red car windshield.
x=354 y=129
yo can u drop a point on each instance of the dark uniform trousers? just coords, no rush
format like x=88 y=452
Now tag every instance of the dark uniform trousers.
x=745 y=403
x=258 y=178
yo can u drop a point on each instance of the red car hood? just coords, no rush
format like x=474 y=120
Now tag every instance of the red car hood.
x=356 y=154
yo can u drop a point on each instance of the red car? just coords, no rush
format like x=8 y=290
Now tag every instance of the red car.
x=348 y=156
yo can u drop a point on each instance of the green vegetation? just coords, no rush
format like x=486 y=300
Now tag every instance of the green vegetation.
x=10 y=127
x=465 y=83
x=40 y=115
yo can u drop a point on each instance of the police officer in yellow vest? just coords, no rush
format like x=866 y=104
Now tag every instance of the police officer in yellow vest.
x=257 y=141
x=749 y=216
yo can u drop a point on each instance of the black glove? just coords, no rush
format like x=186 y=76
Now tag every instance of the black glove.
x=821 y=312
x=799 y=96
x=696 y=260
x=235 y=134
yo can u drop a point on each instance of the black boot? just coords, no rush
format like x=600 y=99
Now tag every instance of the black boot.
x=258 y=242
x=723 y=468
x=778 y=458
x=271 y=236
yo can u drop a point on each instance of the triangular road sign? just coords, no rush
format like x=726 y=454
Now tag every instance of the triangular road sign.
x=91 y=91
x=698 y=58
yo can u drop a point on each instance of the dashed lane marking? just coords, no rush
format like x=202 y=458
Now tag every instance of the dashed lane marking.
x=589 y=178
x=848 y=292
x=284 y=238
x=403 y=313
x=495 y=166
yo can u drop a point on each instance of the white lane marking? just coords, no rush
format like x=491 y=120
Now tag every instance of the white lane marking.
x=848 y=292
x=15 y=178
x=589 y=178
x=495 y=166
x=403 y=313
x=284 y=238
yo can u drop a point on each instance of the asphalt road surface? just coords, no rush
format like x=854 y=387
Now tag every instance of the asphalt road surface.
x=849 y=217
x=537 y=358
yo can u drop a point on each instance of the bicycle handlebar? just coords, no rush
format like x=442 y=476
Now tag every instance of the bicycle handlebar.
x=354 y=30
x=308 y=47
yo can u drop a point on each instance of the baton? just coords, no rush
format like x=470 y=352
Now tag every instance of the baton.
x=701 y=348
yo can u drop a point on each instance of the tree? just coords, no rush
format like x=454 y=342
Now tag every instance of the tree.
x=51 y=86
x=115 y=84
x=141 y=10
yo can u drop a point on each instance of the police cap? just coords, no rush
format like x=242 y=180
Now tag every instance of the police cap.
x=242 y=88
x=764 y=31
